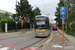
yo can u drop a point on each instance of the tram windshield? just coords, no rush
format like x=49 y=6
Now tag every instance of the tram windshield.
x=40 y=24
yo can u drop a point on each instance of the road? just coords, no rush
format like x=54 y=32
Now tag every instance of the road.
x=28 y=41
x=21 y=42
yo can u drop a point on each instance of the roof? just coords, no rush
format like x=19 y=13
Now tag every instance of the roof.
x=2 y=11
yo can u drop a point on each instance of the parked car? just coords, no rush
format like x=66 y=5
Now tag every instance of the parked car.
x=54 y=27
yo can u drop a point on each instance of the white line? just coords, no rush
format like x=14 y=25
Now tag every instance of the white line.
x=14 y=49
x=5 y=48
x=0 y=45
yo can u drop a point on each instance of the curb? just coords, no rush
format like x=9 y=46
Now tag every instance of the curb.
x=64 y=36
x=2 y=38
x=46 y=42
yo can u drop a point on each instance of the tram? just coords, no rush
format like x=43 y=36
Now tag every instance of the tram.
x=41 y=26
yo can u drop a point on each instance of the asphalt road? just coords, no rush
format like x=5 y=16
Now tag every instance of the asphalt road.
x=21 y=42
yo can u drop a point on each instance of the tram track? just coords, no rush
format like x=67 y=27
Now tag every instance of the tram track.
x=32 y=44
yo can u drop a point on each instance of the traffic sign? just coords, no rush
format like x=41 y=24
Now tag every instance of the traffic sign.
x=62 y=10
x=62 y=16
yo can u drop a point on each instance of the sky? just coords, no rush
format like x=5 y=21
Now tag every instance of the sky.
x=46 y=6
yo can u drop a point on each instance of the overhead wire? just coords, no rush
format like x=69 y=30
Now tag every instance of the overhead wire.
x=45 y=6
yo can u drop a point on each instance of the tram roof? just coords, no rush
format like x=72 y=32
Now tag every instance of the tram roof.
x=41 y=15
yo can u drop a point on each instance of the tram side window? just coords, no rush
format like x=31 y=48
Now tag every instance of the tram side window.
x=47 y=24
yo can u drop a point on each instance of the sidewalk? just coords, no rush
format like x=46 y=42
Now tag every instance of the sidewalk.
x=56 y=42
x=12 y=33
x=69 y=37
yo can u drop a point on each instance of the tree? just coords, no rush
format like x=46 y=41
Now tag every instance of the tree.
x=62 y=3
x=5 y=15
x=36 y=11
x=57 y=14
x=72 y=14
x=14 y=16
x=24 y=10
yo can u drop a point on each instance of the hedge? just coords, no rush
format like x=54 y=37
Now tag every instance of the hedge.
x=3 y=21
x=72 y=27
x=12 y=24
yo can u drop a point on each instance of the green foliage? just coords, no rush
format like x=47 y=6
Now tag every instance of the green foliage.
x=62 y=2
x=35 y=12
x=72 y=26
x=57 y=14
x=14 y=16
x=3 y=21
x=24 y=10
x=18 y=24
x=12 y=24
x=74 y=34
x=4 y=15
x=0 y=25
x=72 y=14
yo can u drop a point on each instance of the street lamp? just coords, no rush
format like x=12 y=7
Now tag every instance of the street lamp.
x=67 y=16
x=66 y=12
x=16 y=15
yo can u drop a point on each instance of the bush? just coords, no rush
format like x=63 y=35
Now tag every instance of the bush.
x=72 y=27
x=3 y=21
x=60 y=27
x=74 y=34
x=12 y=24
x=19 y=25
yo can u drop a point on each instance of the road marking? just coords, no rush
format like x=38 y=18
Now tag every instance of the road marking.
x=33 y=48
x=25 y=49
x=14 y=49
x=57 y=46
x=10 y=45
x=0 y=45
x=4 y=44
x=5 y=48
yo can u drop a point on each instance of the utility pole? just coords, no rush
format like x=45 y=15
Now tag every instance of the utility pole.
x=16 y=15
x=62 y=15
x=67 y=16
